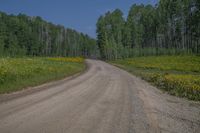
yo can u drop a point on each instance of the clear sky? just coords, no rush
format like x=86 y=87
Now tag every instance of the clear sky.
x=80 y=15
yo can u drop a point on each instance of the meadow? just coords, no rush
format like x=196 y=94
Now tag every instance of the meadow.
x=20 y=73
x=178 y=75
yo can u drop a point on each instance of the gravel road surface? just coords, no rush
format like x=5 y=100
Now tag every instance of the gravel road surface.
x=104 y=99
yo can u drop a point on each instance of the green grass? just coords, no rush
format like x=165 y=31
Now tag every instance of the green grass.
x=20 y=73
x=179 y=75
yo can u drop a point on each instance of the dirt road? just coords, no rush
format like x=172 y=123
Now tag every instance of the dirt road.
x=105 y=99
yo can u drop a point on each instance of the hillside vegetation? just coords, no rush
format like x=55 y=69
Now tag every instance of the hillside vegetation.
x=171 y=27
x=19 y=73
x=179 y=75
x=23 y=35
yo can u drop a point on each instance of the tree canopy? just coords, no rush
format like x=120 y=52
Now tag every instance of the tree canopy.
x=22 y=35
x=170 y=27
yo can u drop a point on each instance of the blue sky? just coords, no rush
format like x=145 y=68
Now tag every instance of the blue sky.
x=80 y=15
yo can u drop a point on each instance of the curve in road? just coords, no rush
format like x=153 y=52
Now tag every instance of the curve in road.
x=105 y=99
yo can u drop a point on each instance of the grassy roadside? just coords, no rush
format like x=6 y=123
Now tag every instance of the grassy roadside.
x=179 y=75
x=19 y=73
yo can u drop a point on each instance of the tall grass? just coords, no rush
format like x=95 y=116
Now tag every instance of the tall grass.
x=19 y=73
x=179 y=75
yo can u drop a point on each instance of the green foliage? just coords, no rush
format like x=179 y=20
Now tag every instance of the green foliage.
x=171 y=27
x=165 y=63
x=110 y=33
x=18 y=73
x=179 y=75
x=31 y=36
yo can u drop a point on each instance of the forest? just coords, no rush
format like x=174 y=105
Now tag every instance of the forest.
x=172 y=27
x=22 y=35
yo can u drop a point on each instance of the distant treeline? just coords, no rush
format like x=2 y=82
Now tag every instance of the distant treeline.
x=22 y=35
x=170 y=27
